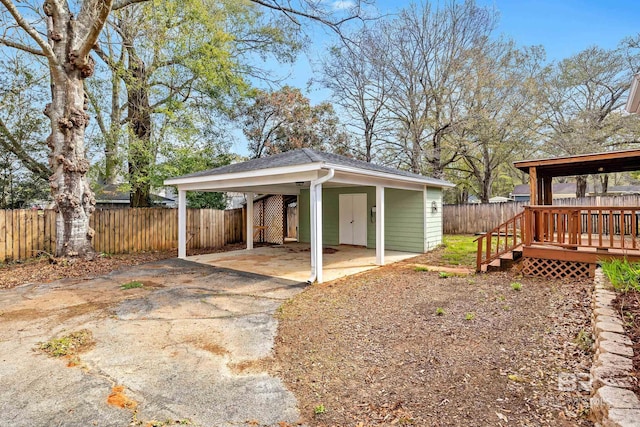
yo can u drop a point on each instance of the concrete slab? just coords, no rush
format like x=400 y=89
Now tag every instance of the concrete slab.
x=189 y=345
x=292 y=261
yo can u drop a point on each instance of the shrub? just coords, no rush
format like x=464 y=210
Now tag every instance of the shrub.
x=624 y=275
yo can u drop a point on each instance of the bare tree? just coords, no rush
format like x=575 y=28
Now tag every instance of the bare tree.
x=584 y=95
x=357 y=76
x=502 y=115
x=430 y=50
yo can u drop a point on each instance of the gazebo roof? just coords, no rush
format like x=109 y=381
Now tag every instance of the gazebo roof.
x=584 y=164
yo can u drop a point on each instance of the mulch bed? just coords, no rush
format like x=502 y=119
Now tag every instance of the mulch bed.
x=628 y=305
x=371 y=349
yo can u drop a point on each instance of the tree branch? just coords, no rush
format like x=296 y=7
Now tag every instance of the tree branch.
x=21 y=46
x=46 y=48
x=10 y=143
x=124 y=3
x=96 y=24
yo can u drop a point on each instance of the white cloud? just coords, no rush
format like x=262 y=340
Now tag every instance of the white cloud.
x=343 y=4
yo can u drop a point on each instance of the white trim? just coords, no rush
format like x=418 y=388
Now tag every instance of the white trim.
x=182 y=224
x=633 y=102
x=380 y=225
x=258 y=173
x=385 y=175
x=318 y=242
x=425 y=219
x=249 y=196
x=263 y=180
x=370 y=181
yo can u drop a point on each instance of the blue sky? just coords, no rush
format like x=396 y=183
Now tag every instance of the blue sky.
x=562 y=27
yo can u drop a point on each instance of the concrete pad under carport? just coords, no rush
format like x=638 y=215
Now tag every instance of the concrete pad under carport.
x=292 y=260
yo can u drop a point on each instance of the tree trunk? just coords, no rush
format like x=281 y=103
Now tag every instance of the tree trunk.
x=581 y=186
x=604 y=183
x=70 y=189
x=141 y=152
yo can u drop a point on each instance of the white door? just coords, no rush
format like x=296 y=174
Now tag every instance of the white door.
x=353 y=219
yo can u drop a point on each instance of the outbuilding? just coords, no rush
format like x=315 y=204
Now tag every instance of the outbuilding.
x=341 y=201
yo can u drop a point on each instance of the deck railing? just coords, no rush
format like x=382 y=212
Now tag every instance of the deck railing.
x=502 y=239
x=600 y=227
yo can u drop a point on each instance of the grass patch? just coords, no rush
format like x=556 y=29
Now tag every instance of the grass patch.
x=131 y=285
x=469 y=316
x=516 y=286
x=624 y=275
x=584 y=341
x=439 y=311
x=421 y=268
x=459 y=250
x=68 y=345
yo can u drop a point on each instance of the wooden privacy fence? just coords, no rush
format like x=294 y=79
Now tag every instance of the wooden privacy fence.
x=23 y=233
x=476 y=218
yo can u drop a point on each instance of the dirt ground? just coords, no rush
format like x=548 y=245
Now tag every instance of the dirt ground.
x=398 y=346
x=628 y=305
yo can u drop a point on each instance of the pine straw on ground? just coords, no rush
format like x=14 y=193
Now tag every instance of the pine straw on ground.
x=370 y=349
x=46 y=269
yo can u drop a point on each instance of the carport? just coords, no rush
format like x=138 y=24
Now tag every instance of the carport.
x=341 y=201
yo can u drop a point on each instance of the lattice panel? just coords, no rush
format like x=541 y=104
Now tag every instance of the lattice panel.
x=555 y=269
x=268 y=215
x=274 y=219
x=258 y=220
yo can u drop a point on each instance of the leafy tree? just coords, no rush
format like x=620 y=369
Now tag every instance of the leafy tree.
x=64 y=38
x=285 y=120
x=174 y=56
x=187 y=159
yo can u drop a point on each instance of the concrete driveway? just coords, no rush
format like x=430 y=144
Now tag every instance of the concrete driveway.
x=190 y=345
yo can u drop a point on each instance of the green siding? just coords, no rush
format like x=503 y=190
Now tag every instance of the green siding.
x=404 y=226
x=330 y=214
x=433 y=228
x=404 y=210
x=304 y=218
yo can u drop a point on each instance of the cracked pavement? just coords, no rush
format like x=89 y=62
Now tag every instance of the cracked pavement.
x=189 y=345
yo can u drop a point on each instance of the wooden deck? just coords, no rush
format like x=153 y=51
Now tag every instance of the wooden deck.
x=578 y=234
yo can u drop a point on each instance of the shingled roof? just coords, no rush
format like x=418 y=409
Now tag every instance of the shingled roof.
x=308 y=156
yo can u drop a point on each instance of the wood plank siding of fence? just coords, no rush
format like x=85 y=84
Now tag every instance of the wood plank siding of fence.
x=24 y=233
x=477 y=218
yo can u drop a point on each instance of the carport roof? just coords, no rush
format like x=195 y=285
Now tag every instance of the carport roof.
x=307 y=156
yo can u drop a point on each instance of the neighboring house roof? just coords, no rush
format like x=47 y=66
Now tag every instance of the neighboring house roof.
x=633 y=102
x=499 y=199
x=111 y=194
x=302 y=160
x=569 y=188
x=557 y=188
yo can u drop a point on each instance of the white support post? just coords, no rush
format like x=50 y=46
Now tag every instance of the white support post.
x=318 y=251
x=379 y=225
x=249 y=197
x=182 y=224
x=312 y=228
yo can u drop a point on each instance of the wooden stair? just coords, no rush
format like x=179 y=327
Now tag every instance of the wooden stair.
x=504 y=261
x=499 y=248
